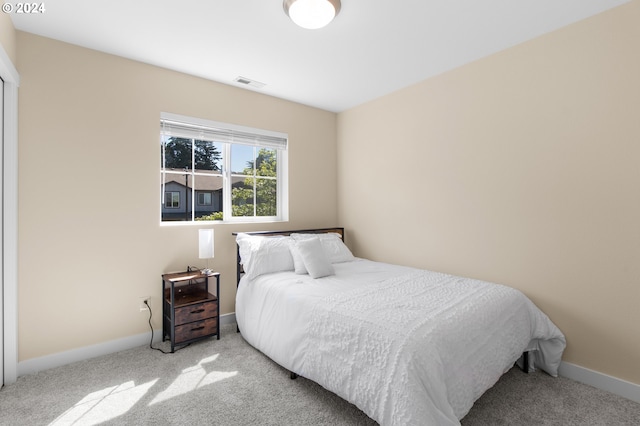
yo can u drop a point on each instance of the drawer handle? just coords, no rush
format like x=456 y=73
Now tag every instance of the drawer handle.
x=197 y=311
x=197 y=328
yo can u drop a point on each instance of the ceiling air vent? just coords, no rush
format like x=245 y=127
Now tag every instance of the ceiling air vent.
x=248 y=82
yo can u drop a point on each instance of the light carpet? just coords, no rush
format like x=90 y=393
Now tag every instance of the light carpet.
x=227 y=382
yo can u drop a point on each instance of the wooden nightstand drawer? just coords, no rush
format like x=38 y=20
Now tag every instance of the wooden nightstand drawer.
x=196 y=312
x=196 y=329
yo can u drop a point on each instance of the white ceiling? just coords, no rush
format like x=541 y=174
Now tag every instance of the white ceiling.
x=372 y=48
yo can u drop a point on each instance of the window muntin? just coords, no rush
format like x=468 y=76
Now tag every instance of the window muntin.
x=234 y=173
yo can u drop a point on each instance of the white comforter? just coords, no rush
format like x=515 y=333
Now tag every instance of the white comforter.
x=406 y=346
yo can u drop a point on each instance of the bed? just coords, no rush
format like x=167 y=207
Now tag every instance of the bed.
x=406 y=346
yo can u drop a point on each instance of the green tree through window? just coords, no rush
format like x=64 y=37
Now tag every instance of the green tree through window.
x=258 y=194
x=177 y=154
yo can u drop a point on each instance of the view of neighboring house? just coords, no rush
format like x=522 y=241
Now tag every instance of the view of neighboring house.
x=180 y=190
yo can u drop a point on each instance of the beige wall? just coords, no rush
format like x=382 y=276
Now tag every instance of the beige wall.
x=521 y=168
x=8 y=36
x=90 y=243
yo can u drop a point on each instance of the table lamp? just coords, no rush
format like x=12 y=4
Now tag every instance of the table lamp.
x=205 y=247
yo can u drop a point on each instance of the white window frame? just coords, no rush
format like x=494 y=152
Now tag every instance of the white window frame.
x=235 y=134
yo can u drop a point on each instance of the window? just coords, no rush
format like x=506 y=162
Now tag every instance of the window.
x=172 y=200
x=221 y=171
x=204 y=198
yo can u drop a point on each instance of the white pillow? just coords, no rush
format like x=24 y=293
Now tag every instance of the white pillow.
x=332 y=244
x=298 y=262
x=314 y=258
x=262 y=255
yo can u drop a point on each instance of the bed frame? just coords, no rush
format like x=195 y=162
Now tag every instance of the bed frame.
x=340 y=231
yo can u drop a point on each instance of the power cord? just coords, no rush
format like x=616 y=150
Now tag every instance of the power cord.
x=151 y=327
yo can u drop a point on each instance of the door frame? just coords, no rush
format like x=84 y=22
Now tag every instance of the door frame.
x=9 y=284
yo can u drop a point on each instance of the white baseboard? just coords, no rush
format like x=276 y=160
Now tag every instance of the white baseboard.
x=34 y=365
x=600 y=380
x=228 y=319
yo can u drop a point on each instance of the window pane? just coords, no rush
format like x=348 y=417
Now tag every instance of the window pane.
x=266 y=197
x=266 y=162
x=177 y=153
x=172 y=200
x=208 y=156
x=175 y=197
x=209 y=189
x=242 y=197
x=204 y=198
x=172 y=209
x=242 y=157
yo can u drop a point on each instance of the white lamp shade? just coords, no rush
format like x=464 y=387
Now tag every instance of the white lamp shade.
x=205 y=243
x=312 y=14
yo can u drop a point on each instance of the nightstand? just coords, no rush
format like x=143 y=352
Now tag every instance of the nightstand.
x=189 y=311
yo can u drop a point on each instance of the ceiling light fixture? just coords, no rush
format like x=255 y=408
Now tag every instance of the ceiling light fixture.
x=311 y=14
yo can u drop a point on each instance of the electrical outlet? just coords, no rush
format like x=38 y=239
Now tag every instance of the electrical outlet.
x=143 y=307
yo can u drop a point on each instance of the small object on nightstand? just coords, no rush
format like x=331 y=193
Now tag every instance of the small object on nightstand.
x=189 y=311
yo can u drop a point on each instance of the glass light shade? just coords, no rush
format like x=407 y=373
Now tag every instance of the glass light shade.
x=205 y=243
x=312 y=14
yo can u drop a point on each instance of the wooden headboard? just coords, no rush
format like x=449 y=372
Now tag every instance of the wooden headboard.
x=280 y=234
